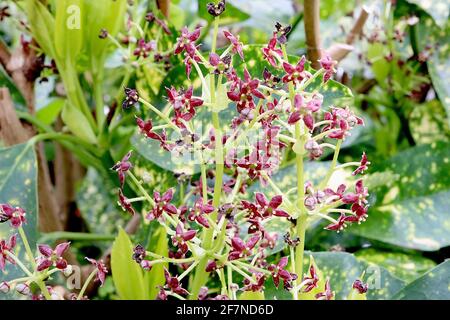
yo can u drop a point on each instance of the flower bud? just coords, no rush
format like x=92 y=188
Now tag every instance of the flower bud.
x=68 y=270
x=23 y=288
x=146 y=265
x=4 y=287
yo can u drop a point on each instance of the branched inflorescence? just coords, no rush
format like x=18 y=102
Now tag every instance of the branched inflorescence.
x=222 y=229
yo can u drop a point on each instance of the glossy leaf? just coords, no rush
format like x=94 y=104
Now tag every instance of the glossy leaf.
x=78 y=123
x=96 y=200
x=405 y=266
x=434 y=285
x=127 y=275
x=50 y=112
x=250 y=295
x=151 y=150
x=410 y=199
x=343 y=269
x=18 y=187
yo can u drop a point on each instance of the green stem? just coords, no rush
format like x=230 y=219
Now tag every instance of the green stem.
x=333 y=165
x=201 y=275
x=159 y=113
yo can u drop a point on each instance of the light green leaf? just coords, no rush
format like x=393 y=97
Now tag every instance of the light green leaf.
x=405 y=266
x=155 y=277
x=18 y=187
x=343 y=269
x=96 y=198
x=250 y=295
x=68 y=29
x=127 y=275
x=434 y=285
x=50 y=112
x=410 y=199
x=42 y=25
x=151 y=150
x=78 y=123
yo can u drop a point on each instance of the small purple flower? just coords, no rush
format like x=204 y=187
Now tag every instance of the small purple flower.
x=15 y=215
x=339 y=225
x=125 y=204
x=255 y=286
x=244 y=95
x=242 y=249
x=221 y=65
x=281 y=32
x=184 y=103
x=186 y=42
x=181 y=237
x=162 y=204
x=173 y=284
x=359 y=196
x=297 y=73
x=5 y=247
x=52 y=257
x=139 y=253
x=311 y=281
x=279 y=273
x=122 y=167
x=4 y=287
x=327 y=294
x=23 y=289
x=101 y=270
x=144 y=48
x=216 y=9
x=237 y=45
x=198 y=212
x=360 y=286
x=363 y=166
x=271 y=53
x=131 y=98
x=328 y=65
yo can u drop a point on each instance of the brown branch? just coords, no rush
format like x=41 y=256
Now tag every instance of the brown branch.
x=23 y=66
x=358 y=26
x=164 y=6
x=312 y=31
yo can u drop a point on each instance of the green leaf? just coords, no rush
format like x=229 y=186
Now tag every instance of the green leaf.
x=155 y=277
x=230 y=15
x=78 y=123
x=50 y=112
x=101 y=14
x=439 y=68
x=410 y=199
x=376 y=54
x=250 y=295
x=343 y=269
x=96 y=198
x=18 y=187
x=127 y=275
x=404 y=266
x=434 y=285
x=438 y=10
